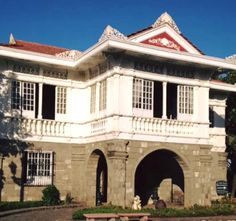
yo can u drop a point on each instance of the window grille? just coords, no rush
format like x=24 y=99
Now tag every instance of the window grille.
x=61 y=100
x=23 y=95
x=142 y=94
x=93 y=99
x=28 y=95
x=16 y=95
x=185 y=99
x=39 y=168
x=103 y=95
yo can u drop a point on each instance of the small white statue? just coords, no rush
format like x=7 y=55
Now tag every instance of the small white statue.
x=137 y=203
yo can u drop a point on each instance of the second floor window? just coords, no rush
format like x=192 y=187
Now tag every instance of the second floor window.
x=23 y=96
x=185 y=99
x=103 y=95
x=93 y=99
x=142 y=94
x=61 y=100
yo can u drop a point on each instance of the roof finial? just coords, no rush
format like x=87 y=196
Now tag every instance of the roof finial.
x=12 y=40
x=165 y=18
x=110 y=32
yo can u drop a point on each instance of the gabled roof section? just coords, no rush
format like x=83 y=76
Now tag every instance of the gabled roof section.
x=110 y=32
x=42 y=48
x=165 y=33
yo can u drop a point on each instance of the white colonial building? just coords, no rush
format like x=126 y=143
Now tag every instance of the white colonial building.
x=131 y=115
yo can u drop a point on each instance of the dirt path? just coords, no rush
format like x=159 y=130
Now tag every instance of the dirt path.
x=64 y=214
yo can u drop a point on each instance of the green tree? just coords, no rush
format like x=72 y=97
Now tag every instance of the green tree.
x=230 y=125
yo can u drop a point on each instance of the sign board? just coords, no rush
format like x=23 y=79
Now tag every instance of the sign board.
x=221 y=188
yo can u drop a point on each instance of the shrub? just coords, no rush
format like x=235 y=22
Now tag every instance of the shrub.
x=51 y=195
x=196 y=210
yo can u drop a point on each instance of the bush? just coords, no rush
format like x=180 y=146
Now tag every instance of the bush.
x=51 y=195
x=196 y=210
x=19 y=205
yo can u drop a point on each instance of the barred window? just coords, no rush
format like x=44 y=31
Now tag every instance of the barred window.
x=93 y=99
x=23 y=95
x=28 y=95
x=103 y=95
x=16 y=95
x=61 y=100
x=185 y=99
x=142 y=94
x=39 y=167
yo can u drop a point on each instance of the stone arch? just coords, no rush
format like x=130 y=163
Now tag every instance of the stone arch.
x=158 y=166
x=96 y=174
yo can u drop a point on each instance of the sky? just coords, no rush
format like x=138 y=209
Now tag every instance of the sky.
x=78 y=24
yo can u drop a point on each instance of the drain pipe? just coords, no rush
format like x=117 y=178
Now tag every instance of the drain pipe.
x=125 y=188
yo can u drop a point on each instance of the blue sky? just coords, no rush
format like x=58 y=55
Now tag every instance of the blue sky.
x=78 y=24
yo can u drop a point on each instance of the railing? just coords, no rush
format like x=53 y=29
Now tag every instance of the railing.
x=98 y=126
x=163 y=126
x=44 y=127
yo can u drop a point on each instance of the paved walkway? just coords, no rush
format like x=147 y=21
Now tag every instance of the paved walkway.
x=65 y=214
x=62 y=214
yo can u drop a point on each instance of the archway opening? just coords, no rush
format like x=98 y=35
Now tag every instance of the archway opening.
x=97 y=178
x=160 y=176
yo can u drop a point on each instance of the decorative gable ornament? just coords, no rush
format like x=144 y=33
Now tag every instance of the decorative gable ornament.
x=165 y=18
x=231 y=58
x=71 y=54
x=12 y=40
x=110 y=32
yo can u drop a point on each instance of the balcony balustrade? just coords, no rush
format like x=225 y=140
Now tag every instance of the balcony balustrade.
x=26 y=127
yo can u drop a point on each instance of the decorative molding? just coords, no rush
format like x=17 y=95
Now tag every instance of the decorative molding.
x=111 y=32
x=165 y=18
x=231 y=58
x=164 y=42
x=71 y=54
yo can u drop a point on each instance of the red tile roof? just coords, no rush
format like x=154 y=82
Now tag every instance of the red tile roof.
x=150 y=27
x=35 y=47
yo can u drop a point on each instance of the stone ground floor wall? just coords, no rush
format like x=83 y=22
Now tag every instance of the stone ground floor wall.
x=75 y=168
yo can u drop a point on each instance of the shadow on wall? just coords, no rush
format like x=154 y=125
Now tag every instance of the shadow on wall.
x=11 y=133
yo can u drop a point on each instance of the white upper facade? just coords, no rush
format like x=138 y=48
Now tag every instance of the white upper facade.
x=153 y=85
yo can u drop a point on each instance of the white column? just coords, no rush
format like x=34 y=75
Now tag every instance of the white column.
x=40 y=100
x=164 y=99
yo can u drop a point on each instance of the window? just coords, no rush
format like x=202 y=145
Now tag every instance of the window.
x=103 y=95
x=211 y=116
x=142 y=94
x=93 y=99
x=185 y=99
x=39 y=167
x=23 y=96
x=16 y=95
x=61 y=100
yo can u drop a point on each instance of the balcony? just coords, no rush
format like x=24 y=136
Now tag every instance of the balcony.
x=114 y=125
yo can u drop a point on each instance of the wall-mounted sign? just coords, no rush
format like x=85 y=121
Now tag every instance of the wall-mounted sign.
x=221 y=188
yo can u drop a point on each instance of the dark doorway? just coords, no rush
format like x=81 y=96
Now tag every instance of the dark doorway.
x=172 y=101
x=48 y=106
x=101 y=181
x=158 y=97
x=153 y=169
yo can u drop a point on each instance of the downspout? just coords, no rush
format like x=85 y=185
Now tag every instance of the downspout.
x=126 y=157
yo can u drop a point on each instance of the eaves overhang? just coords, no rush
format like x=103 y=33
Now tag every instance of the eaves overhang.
x=133 y=48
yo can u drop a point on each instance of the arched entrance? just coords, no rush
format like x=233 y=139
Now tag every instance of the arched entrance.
x=160 y=173
x=97 y=178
